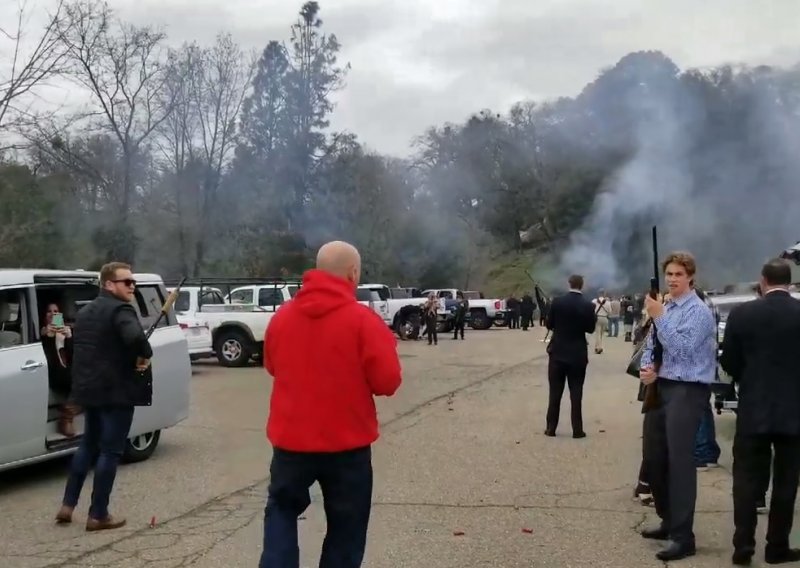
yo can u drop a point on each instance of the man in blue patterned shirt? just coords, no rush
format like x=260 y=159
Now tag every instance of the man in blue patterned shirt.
x=686 y=332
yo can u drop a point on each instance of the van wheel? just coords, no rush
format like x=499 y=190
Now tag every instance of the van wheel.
x=233 y=349
x=141 y=447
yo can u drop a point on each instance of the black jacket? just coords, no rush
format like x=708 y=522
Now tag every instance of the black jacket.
x=627 y=310
x=107 y=339
x=570 y=318
x=527 y=306
x=759 y=352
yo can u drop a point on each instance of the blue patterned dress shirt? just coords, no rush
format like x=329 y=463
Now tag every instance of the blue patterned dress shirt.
x=688 y=331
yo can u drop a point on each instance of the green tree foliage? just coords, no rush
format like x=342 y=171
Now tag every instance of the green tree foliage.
x=30 y=229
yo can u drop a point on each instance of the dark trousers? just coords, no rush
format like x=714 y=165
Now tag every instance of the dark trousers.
x=613 y=326
x=559 y=374
x=102 y=445
x=458 y=326
x=751 y=465
x=706 y=448
x=346 y=482
x=644 y=475
x=527 y=320
x=513 y=319
x=430 y=329
x=668 y=448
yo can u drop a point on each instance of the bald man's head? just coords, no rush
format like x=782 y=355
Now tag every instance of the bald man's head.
x=340 y=259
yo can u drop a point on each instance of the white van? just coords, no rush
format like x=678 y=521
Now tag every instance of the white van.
x=29 y=409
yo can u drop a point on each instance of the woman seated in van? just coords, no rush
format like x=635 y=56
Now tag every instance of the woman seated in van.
x=57 y=345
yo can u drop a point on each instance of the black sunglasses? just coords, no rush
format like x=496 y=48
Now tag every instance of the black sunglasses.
x=127 y=281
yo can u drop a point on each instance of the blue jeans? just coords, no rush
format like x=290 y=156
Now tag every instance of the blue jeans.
x=706 y=449
x=346 y=482
x=103 y=444
x=613 y=326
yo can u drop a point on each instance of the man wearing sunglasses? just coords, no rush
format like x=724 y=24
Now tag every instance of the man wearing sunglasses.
x=109 y=345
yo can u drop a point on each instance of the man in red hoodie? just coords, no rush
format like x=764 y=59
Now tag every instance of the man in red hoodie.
x=328 y=356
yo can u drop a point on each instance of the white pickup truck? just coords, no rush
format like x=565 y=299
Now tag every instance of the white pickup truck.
x=388 y=306
x=237 y=315
x=482 y=312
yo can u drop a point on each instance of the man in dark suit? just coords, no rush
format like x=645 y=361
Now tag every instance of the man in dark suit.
x=570 y=318
x=759 y=352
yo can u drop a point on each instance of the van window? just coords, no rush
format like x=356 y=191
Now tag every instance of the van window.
x=293 y=290
x=383 y=293
x=150 y=301
x=12 y=318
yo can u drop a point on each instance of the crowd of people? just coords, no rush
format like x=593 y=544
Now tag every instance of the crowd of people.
x=323 y=430
x=679 y=356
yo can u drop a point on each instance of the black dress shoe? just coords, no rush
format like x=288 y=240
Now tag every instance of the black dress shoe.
x=551 y=433
x=742 y=556
x=676 y=551
x=656 y=534
x=782 y=557
x=579 y=435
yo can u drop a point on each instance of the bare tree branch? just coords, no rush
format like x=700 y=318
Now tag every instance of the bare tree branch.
x=30 y=68
x=123 y=68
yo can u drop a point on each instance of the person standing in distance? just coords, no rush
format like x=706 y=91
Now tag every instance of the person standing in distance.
x=570 y=318
x=109 y=345
x=328 y=356
x=686 y=330
x=758 y=352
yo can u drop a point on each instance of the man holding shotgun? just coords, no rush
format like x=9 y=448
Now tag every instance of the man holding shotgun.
x=110 y=346
x=686 y=330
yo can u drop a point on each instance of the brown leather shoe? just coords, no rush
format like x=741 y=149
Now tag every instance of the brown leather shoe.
x=104 y=524
x=64 y=515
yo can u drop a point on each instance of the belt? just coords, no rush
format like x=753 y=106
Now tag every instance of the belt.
x=677 y=382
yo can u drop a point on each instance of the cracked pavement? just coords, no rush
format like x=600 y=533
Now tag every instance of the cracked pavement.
x=461 y=451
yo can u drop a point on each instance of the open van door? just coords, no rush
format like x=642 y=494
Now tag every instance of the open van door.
x=23 y=378
x=70 y=292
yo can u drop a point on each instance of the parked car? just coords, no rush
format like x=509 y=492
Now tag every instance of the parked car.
x=238 y=312
x=725 y=391
x=29 y=409
x=196 y=329
x=198 y=335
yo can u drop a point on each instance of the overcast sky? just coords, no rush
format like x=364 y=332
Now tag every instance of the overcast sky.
x=416 y=63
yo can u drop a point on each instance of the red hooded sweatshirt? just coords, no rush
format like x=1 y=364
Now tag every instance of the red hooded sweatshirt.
x=328 y=356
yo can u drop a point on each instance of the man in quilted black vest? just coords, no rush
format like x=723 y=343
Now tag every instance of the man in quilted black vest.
x=109 y=345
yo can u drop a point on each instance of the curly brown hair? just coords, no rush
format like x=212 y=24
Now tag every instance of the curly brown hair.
x=684 y=259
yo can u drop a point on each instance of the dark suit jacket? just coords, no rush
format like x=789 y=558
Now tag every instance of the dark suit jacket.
x=570 y=318
x=759 y=351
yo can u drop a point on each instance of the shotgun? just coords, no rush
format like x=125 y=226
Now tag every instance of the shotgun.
x=651 y=390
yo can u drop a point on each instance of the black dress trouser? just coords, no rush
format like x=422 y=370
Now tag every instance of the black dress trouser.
x=668 y=448
x=752 y=454
x=559 y=375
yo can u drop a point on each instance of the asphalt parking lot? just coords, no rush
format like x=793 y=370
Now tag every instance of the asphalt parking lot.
x=463 y=475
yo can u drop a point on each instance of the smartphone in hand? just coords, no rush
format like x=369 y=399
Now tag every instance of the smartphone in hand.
x=57 y=321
